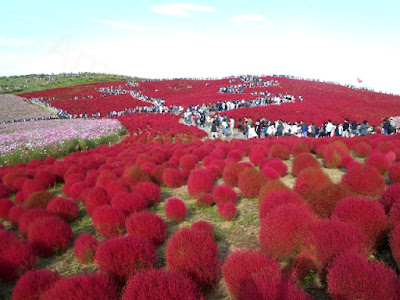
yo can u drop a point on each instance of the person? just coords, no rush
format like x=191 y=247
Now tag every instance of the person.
x=232 y=124
x=329 y=128
x=279 y=129
x=258 y=129
x=354 y=128
x=214 y=130
x=252 y=132
x=386 y=126
x=304 y=129
x=346 y=128
x=364 y=128
x=240 y=125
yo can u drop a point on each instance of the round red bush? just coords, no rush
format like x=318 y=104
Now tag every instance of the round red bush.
x=30 y=186
x=27 y=218
x=39 y=199
x=46 y=178
x=300 y=148
x=351 y=276
x=49 y=235
x=147 y=225
x=175 y=209
x=230 y=174
x=271 y=186
x=125 y=256
x=188 y=161
x=224 y=194
x=302 y=161
x=362 y=149
x=378 y=160
x=85 y=248
x=194 y=253
x=227 y=210
x=309 y=180
x=79 y=191
x=173 y=178
x=137 y=173
x=276 y=199
x=250 y=181
x=159 y=284
x=96 y=197
x=129 y=202
x=203 y=226
x=200 y=182
x=64 y=208
x=270 y=173
x=334 y=153
x=4 y=191
x=394 y=240
x=243 y=266
x=5 y=206
x=114 y=187
x=284 y=230
x=394 y=215
x=207 y=200
x=394 y=173
x=364 y=180
x=149 y=190
x=108 y=221
x=279 y=150
x=33 y=284
x=15 y=212
x=84 y=286
x=366 y=215
x=277 y=164
x=390 y=196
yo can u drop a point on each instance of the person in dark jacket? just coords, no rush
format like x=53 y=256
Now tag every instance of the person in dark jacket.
x=364 y=128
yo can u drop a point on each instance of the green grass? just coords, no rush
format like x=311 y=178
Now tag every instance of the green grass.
x=40 y=82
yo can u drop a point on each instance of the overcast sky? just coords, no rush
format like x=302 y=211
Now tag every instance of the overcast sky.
x=323 y=39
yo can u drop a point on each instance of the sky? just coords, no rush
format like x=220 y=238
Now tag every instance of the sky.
x=332 y=40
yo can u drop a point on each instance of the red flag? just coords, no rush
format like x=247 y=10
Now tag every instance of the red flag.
x=359 y=80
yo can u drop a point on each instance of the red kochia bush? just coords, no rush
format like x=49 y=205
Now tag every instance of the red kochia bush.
x=200 y=182
x=4 y=191
x=394 y=216
x=302 y=161
x=203 y=226
x=27 y=218
x=85 y=248
x=362 y=149
x=147 y=225
x=351 y=276
x=33 y=284
x=64 y=208
x=309 y=180
x=390 y=196
x=206 y=200
x=5 y=206
x=231 y=172
x=30 y=186
x=137 y=173
x=366 y=215
x=283 y=231
x=15 y=212
x=271 y=186
x=250 y=181
x=224 y=194
x=108 y=221
x=159 y=284
x=175 y=209
x=173 y=178
x=243 y=266
x=194 y=253
x=394 y=173
x=277 y=164
x=270 y=173
x=39 y=199
x=49 y=236
x=85 y=286
x=129 y=202
x=115 y=186
x=364 y=180
x=227 y=210
x=334 y=153
x=188 y=161
x=125 y=256
x=378 y=160
x=47 y=178
x=281 y=151
x=395 y=244
x=96 y=197
x=276 y=199
x=149 y=190
x=330 y=238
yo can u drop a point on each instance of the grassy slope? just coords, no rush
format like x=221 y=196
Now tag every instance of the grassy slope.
x=39 y=82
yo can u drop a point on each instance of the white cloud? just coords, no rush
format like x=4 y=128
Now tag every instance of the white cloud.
x=250 y=18
x=180 y=9
x=11 y=42
x=119 y=24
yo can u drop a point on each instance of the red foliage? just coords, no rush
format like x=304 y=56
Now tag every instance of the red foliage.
x=108 y=221
x=129 y=202
x=227 y=210
x=207 y=200
x=64 y=208
x=26 y=219
x=300 y=148
x=15 y=212
x=33 y=284
x=149 y=190
x=194 y=253
x=4 y=191
x=276 y=199
x=85 y=248
x=302 y=266
x=84 y=286
x=79 y=191
x=46 y=178
x=96 y=197
x=147 y=225
x=30 y=186
x=175 y=209
x=334 y=153
x=395 y=244
x=224 y=194
x=270 y=173
x=203 y=226
x=125 y=256
x=49 y=235
x=137 y=173
x=280 y=150
x=362 y=149
x=243 y=266
x=394 y=173
x=302 y=161
x=114 y=187
x=173 y=178
x=188 y=161
x=330 y=238
x=351 y=276
x=39 y=199
x=378 y=160
x=5 y=206
x=271 y=186
x=283 y=231
x=390 y=196
x=364 y=180
x=16 y=256
x=310 y=180
x=394 y=216
x=230 y=174
x=366 y=215
x=250 y=181
x=200 y=182
x=324 y=200
x=277 y=164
